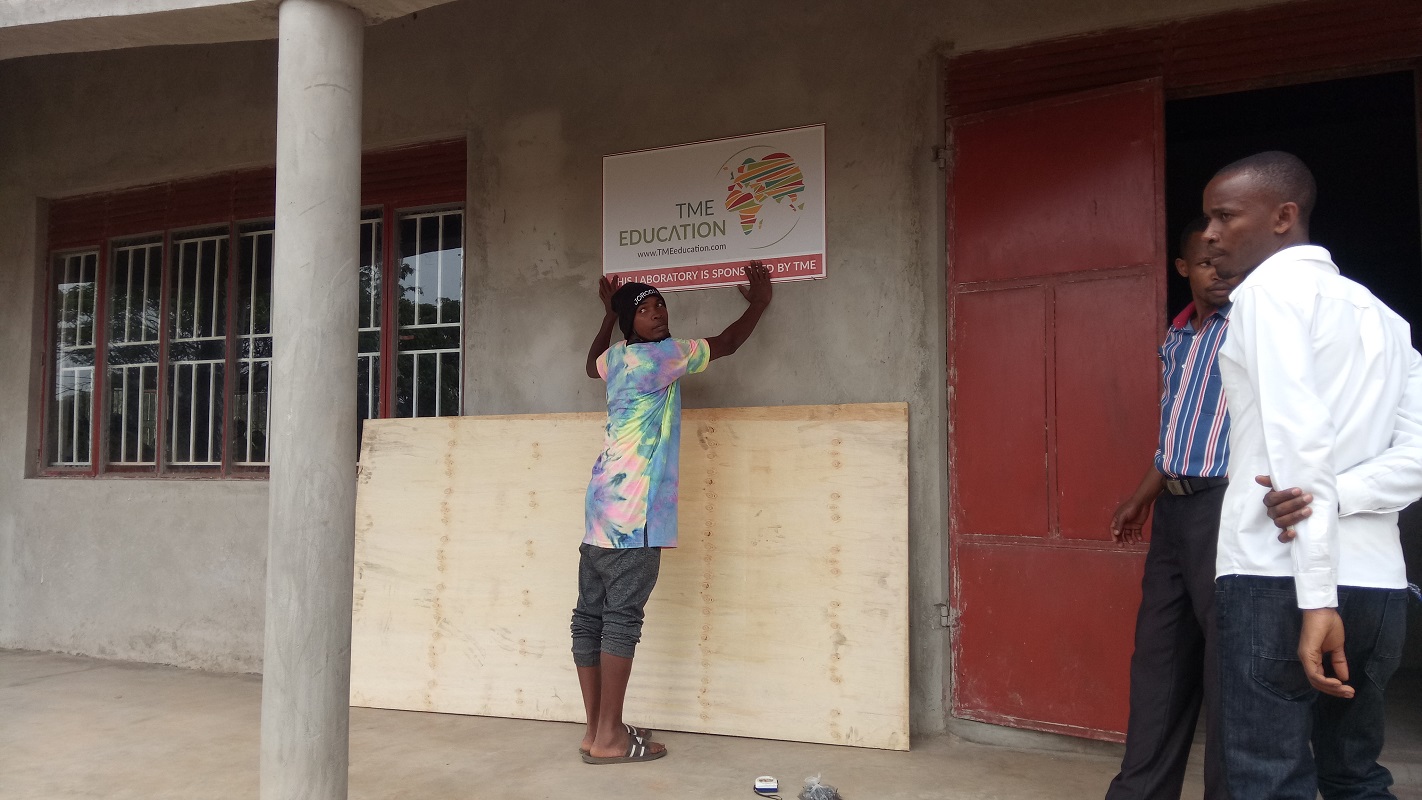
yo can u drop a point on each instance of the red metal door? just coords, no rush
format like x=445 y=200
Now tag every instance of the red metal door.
x=1056 y=298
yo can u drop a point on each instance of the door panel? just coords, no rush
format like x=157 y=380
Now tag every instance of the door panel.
x=1022 y=600
x=1056 y=188
x=1107 y=397
x=1056 y=284
x=1005 y=490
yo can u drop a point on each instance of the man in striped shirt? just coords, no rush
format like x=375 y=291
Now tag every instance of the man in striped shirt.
x=1174 y=665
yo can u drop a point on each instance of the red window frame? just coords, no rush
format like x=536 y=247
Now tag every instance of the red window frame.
x=417 y=177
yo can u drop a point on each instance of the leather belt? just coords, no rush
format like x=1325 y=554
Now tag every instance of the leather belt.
x=1189 y=486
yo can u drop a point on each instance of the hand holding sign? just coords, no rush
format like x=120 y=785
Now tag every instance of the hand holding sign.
x=606 y=287
x=758 y=292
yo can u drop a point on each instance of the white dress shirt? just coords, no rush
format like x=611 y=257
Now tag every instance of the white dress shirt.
x=1324 y=393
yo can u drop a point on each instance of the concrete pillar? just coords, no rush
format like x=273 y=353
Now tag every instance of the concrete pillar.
x=311 y=547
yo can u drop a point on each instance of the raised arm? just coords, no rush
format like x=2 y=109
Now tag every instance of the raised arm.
x=758 y=295
x=606 y=285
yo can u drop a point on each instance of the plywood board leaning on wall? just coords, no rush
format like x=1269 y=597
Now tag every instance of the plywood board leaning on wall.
x=782 y=615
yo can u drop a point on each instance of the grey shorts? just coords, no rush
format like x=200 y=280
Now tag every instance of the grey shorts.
x=613 y=588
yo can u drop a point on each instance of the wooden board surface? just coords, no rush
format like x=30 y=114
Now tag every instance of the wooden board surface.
x=782 y=615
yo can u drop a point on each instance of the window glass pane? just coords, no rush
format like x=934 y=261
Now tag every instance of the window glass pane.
x=448 y=403
x=135 y=307
x=68 y=434
x=431 y=248
x=409 y=247
x=451 y=293
x=251 y=391
x=196 y=349
x=428 y=261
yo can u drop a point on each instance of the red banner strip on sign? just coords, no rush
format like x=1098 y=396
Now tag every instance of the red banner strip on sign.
x=703 y=276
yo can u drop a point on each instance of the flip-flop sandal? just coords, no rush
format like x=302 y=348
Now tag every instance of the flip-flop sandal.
x=637 y=750
x=644 y=733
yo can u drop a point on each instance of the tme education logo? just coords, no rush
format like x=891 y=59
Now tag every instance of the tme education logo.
x=764 y=186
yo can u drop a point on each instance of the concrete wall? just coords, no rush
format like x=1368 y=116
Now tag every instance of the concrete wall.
x=171 y=571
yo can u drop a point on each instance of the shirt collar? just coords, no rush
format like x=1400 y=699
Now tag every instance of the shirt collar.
x=1277 y=266
x=1183 y=318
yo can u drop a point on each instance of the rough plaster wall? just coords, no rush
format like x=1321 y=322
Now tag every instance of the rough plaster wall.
x=163 y=571
x=172 y=571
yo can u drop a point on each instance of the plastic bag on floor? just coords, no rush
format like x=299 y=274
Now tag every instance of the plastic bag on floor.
x=815 y=790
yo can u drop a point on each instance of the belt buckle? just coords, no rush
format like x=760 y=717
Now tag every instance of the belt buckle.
x=1179 y=486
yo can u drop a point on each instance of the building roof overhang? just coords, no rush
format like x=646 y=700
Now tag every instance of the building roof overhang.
x=42 y=27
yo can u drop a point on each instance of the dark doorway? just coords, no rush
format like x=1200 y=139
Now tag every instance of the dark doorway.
x=1358 y=135
x=1360 y=138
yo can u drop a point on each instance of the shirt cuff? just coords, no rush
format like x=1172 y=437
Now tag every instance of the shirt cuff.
x=1317 y=589
x=1354 y=498
x=1351 y=495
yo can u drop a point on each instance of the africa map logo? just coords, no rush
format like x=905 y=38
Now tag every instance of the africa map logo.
x=757 y=180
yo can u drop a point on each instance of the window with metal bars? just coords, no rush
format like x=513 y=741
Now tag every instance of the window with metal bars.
x=180 y=324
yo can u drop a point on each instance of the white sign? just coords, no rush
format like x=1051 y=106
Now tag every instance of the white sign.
x=693 y=216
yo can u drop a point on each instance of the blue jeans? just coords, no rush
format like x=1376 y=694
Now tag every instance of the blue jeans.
x=1270 y=712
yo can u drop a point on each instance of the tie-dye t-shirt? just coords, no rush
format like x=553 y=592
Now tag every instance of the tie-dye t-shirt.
x=633 y=489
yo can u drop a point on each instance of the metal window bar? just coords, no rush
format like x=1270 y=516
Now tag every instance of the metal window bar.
x=419 y=223
x=178 y=285
x=198 y=276
x=127 y=257
x=439 y=280
x=213 y=315
x=123 y=410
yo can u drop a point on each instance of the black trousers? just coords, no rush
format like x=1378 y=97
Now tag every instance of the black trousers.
x=1174 y=668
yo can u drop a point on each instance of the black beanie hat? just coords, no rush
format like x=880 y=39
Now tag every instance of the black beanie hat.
x=625 y=301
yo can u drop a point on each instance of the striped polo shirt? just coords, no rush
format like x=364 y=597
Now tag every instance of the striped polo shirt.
x=1194 y=425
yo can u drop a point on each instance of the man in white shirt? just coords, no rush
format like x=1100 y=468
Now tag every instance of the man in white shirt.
x=1316 y=373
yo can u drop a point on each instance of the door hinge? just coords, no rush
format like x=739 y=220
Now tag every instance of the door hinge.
x=947 y=617
x=941 y=154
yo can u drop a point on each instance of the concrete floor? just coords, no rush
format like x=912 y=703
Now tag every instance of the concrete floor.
x=85 y=728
